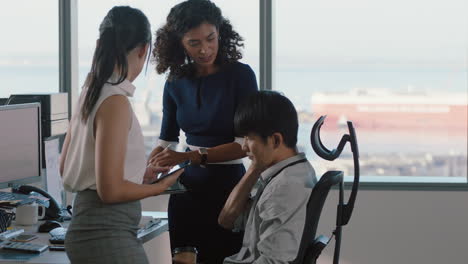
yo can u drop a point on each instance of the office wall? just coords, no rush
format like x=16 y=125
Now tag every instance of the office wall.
x=387 y=227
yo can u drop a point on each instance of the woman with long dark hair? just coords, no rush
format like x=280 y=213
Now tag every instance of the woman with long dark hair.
x=103 y=157
x=200 y=50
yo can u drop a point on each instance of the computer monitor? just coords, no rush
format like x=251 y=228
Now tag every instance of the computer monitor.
x=20 y=144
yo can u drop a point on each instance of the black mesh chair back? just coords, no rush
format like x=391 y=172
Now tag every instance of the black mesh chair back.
x=314 y=209
x=311 y=246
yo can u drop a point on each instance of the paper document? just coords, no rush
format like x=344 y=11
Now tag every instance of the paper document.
x=53 y=180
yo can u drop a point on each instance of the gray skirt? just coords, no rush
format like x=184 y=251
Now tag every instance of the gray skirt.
x=104 y=233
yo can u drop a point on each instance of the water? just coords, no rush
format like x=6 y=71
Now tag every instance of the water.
x=298 y=86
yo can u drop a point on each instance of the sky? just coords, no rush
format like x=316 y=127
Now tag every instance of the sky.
x=308 y=33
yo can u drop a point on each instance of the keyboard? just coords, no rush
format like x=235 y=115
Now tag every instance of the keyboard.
x=19 y=198
x=25 y=247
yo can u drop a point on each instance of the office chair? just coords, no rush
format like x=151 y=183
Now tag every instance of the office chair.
x=311 y=246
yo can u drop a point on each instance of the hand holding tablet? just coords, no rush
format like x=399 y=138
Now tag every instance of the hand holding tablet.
x=173 y=170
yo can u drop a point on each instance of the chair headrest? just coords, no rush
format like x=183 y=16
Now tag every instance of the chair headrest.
x=317 y=145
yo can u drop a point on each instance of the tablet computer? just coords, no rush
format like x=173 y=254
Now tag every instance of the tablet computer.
x=177 y=187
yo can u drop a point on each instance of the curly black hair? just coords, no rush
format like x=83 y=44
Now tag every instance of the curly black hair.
x=169 y=54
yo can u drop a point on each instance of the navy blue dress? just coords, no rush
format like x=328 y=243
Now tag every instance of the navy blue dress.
x=204 y=109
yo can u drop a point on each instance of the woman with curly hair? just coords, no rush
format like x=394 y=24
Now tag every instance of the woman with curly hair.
x=200 y=51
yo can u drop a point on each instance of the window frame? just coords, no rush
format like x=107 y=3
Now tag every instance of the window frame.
x=68 y=76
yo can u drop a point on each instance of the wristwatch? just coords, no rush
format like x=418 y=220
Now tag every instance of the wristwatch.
x=204 y=156
x=185 y=249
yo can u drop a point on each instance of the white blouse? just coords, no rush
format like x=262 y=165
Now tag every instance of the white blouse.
x=80 y=171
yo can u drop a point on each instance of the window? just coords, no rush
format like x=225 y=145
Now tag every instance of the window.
x=396 y=69
x=147 y=101
x=29 y=47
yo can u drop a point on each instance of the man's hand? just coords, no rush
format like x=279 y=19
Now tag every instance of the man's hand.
x=257 y=167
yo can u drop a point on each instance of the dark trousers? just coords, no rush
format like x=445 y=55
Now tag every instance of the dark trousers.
x=193 y=216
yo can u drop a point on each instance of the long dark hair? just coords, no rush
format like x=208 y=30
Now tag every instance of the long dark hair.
x=168 y=51
x=123 y=29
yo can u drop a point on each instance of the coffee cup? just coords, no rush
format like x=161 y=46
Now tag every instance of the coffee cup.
x=29 y=214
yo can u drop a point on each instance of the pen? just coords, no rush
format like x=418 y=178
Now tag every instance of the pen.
x=168 y=147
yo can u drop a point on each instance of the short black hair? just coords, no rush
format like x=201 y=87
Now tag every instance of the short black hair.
x=267 y=112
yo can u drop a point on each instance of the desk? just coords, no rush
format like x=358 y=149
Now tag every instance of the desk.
x=60 y=257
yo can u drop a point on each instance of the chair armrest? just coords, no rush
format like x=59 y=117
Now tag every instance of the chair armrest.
x=315 y=248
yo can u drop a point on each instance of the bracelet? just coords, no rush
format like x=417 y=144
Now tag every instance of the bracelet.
x=185 y=249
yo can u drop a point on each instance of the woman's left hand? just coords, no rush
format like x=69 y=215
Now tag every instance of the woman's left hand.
x=168 y=157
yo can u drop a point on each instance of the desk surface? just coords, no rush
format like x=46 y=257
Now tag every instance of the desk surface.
x=60 y=257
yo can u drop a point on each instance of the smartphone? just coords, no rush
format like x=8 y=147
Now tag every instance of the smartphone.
x=174 y=169
x=24 y=238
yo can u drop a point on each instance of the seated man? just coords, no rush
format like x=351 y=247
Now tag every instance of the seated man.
x=277 y=212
